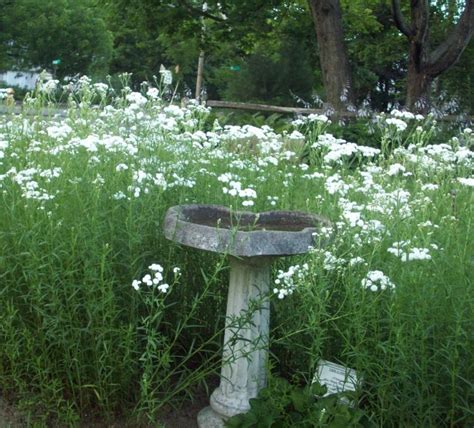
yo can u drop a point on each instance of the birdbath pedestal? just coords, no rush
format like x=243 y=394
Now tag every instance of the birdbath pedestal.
x=252 y=241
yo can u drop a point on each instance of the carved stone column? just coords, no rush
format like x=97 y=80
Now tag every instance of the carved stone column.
x=245 y=341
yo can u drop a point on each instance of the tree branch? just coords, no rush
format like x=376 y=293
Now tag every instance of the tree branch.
x=420 y=13
x=448 y=52
x=400 y=20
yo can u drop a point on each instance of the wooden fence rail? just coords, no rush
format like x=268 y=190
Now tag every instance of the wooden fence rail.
x=61 y=111
x=301 y=110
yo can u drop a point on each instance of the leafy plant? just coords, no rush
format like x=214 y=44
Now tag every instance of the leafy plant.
x=282 y=404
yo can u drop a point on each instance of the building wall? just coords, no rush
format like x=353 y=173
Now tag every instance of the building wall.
x=23 y=79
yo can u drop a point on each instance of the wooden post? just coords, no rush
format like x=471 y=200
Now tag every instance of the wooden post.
x=200 y=73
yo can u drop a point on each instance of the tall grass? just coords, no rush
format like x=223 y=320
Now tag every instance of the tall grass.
x=76 y=338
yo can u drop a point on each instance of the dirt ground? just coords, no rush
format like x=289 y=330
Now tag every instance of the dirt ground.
x=8 y=417
x=184 y=418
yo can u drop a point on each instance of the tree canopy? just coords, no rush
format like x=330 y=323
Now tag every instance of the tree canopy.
x=36 y=32
x=258 y=50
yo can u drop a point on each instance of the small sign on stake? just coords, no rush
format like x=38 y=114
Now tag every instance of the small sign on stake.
x=336 y=378
x=235 y=67
x=167 y=75
x=56 y=61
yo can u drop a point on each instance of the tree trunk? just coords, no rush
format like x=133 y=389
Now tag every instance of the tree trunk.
x=418 y=80
x=332 y=52
x=418 y=90
x=424 y=65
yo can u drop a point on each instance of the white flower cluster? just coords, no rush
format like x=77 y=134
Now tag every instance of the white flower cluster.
x=399 y=124
x=468 y=181
x=101 y=88
x=336 y=185
x=3 y=146
x=287 y=281
x=49 y=86
x=332 y=262
x=395 y=169
x=401 y=249
x=136 y=98
x=376 y=280
x=273 y=200
x=311 y=118
x=59 y=132
x=234 y=188
x=155 y=279
x=363 y=231
x=337 y=149
x=153 y=93
x=406 y=115
x=29 y=182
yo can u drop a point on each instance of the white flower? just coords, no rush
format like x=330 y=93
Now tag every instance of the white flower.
x=318 y=118
x=376 y=280
x=356 y=261
x=101 y=88
x=287 y=281
x=156 y=267
x=397 y=123
x=49 y=86
x=416 y=254
x=136 y=98
x=121 y=167
x=395 y=169
x=163 y=287
x=153 y=93
x=466 y=181
x=225 y=178
x=136 y=284
x=119 y=195
x=59 y=132
x=403 y=114
x=429 y=186
x=147 y=280
x=247 y=193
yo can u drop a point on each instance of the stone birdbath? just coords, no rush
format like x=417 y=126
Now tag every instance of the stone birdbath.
x=252 y=241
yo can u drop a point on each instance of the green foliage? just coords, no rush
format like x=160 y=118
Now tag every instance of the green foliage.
x=282 y=404
x=77 y=339
x=273 y=42
x=271 y=80
x=37 y=32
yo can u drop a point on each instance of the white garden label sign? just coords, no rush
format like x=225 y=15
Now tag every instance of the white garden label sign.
x=336 y=378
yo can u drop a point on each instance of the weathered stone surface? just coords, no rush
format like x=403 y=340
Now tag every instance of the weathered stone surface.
x=215 y=228
x=252 y=241
x=208 y=418
x=245 y=348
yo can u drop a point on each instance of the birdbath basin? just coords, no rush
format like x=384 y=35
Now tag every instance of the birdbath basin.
x=252 y=241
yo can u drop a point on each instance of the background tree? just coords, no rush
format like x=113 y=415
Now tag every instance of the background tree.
x=327 y=17
x=424 y=63
x=35 y=32
x=137 y=46
x=274 y=42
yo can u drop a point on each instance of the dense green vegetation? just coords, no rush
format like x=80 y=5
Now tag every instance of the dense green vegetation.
x=262 y=51
x=83 y=202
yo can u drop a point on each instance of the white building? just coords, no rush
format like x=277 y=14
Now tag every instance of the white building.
x=23 y=79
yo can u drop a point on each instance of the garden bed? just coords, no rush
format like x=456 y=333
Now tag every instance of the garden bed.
x=102 y=315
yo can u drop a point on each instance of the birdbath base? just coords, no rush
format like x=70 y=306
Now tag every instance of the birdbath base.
x=208 y=418
x=245 y=341
x=251 y=241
